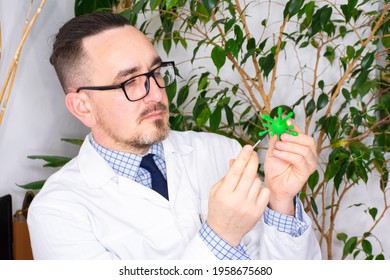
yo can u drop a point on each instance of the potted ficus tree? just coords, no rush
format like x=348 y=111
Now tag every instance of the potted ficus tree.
x=326 y=61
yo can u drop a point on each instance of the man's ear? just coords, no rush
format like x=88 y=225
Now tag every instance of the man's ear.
x=80 y=106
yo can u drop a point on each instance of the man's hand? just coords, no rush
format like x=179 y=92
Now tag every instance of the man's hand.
x=288 y=165
x=237 y=201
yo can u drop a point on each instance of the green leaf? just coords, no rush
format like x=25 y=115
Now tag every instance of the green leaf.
x=170 y=3
x=52 y=161
x=246 y=111
x=350 y=52
x=203 y=117
x=367 y=247
x=340 y=174
x=380 y=257
x=314 y=205
x=196 y=49
x=215 y=118
x=330 y=54
x=348 y=9
x=343 y=31
x=292 y=8
x=323 y=100
x=176 y=122
x=154 y=4
x=82 y=7
x=171 y=91
x=386 y=41
x=331 y=126
x=310 y=107
x=176 y=37
x=251 y=45
x=304 y=44
x=313 y=180
x=349 y=246
x=229 y=115
x=204 y=81
x=346 y=94
x=131 y=15
x=209 y=5
x=218 y=56
x=37 y=185
x=182 y=95
x=325 y=16
x=342 y=236
x=367 y=60
x=167 y=44
x=373 y=212
x=386 y=101
x=330 y=171
x=321 y=84
x=360 y=81
x=320 y=19
x=77 y=142
x=309 y=10
x=357 y=252
x=232 y=47
x=201 y=13
x=267 y=64
x=229 y=24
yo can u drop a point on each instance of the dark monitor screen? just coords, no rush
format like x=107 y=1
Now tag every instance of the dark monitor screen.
x=6 y=228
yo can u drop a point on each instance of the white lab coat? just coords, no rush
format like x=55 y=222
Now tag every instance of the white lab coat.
x=86 y=211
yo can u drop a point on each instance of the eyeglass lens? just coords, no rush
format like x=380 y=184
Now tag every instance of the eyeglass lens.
x=139 y=87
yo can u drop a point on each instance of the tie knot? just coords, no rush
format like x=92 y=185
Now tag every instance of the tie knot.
x=148 y=163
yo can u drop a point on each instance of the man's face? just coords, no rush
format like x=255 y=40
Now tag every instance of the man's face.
x=114 y=56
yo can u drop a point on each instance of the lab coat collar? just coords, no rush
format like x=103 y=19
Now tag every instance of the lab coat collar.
x=173 y=145
x=97 y=172
x=174 y=150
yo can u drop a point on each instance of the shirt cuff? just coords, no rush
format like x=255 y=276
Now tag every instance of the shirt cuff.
x=219 y=247
x=294 y=226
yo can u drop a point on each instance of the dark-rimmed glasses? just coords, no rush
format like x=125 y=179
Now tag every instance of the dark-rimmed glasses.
x=138 y=87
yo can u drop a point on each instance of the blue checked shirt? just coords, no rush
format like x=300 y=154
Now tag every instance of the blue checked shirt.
x=128 y=165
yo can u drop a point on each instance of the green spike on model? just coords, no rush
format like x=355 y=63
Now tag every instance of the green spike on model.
x=278 y=126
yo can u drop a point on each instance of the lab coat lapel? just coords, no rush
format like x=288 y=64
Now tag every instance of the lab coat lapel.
x=130 y=187
x=183 y=193
x=177 y=176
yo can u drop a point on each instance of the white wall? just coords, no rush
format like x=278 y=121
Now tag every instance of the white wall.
x=36 y=118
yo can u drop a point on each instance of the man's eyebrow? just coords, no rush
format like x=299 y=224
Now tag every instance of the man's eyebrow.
x=156 y=60
x=126 y=72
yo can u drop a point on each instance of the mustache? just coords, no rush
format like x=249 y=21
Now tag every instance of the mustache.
x=155 y=107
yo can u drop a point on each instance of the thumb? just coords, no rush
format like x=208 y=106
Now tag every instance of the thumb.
x=263 y=198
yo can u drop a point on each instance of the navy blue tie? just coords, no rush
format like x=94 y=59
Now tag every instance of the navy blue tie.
x=159 y=184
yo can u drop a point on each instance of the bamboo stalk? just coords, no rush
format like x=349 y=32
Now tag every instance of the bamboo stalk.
x=10 y=78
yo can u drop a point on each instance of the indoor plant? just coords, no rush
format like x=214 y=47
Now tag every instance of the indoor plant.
x=235 y=58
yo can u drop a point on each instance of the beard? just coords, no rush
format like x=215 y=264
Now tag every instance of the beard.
x=145 y=140
x=141 y=140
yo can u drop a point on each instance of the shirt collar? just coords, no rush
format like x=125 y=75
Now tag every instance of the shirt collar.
x=125 y=164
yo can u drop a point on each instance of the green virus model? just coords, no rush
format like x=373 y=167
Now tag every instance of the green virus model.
x=277 y=126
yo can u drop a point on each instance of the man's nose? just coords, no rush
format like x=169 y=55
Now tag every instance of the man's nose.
x=155 y=92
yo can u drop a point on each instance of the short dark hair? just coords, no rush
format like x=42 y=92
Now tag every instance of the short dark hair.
x=68 y=53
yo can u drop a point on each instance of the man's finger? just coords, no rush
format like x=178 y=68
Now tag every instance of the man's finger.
x=236 y=170
x=248 y=176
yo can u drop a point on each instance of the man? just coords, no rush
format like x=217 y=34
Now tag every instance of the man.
x=106 y=203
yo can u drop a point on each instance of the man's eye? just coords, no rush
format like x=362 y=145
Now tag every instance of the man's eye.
x=131 y=83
